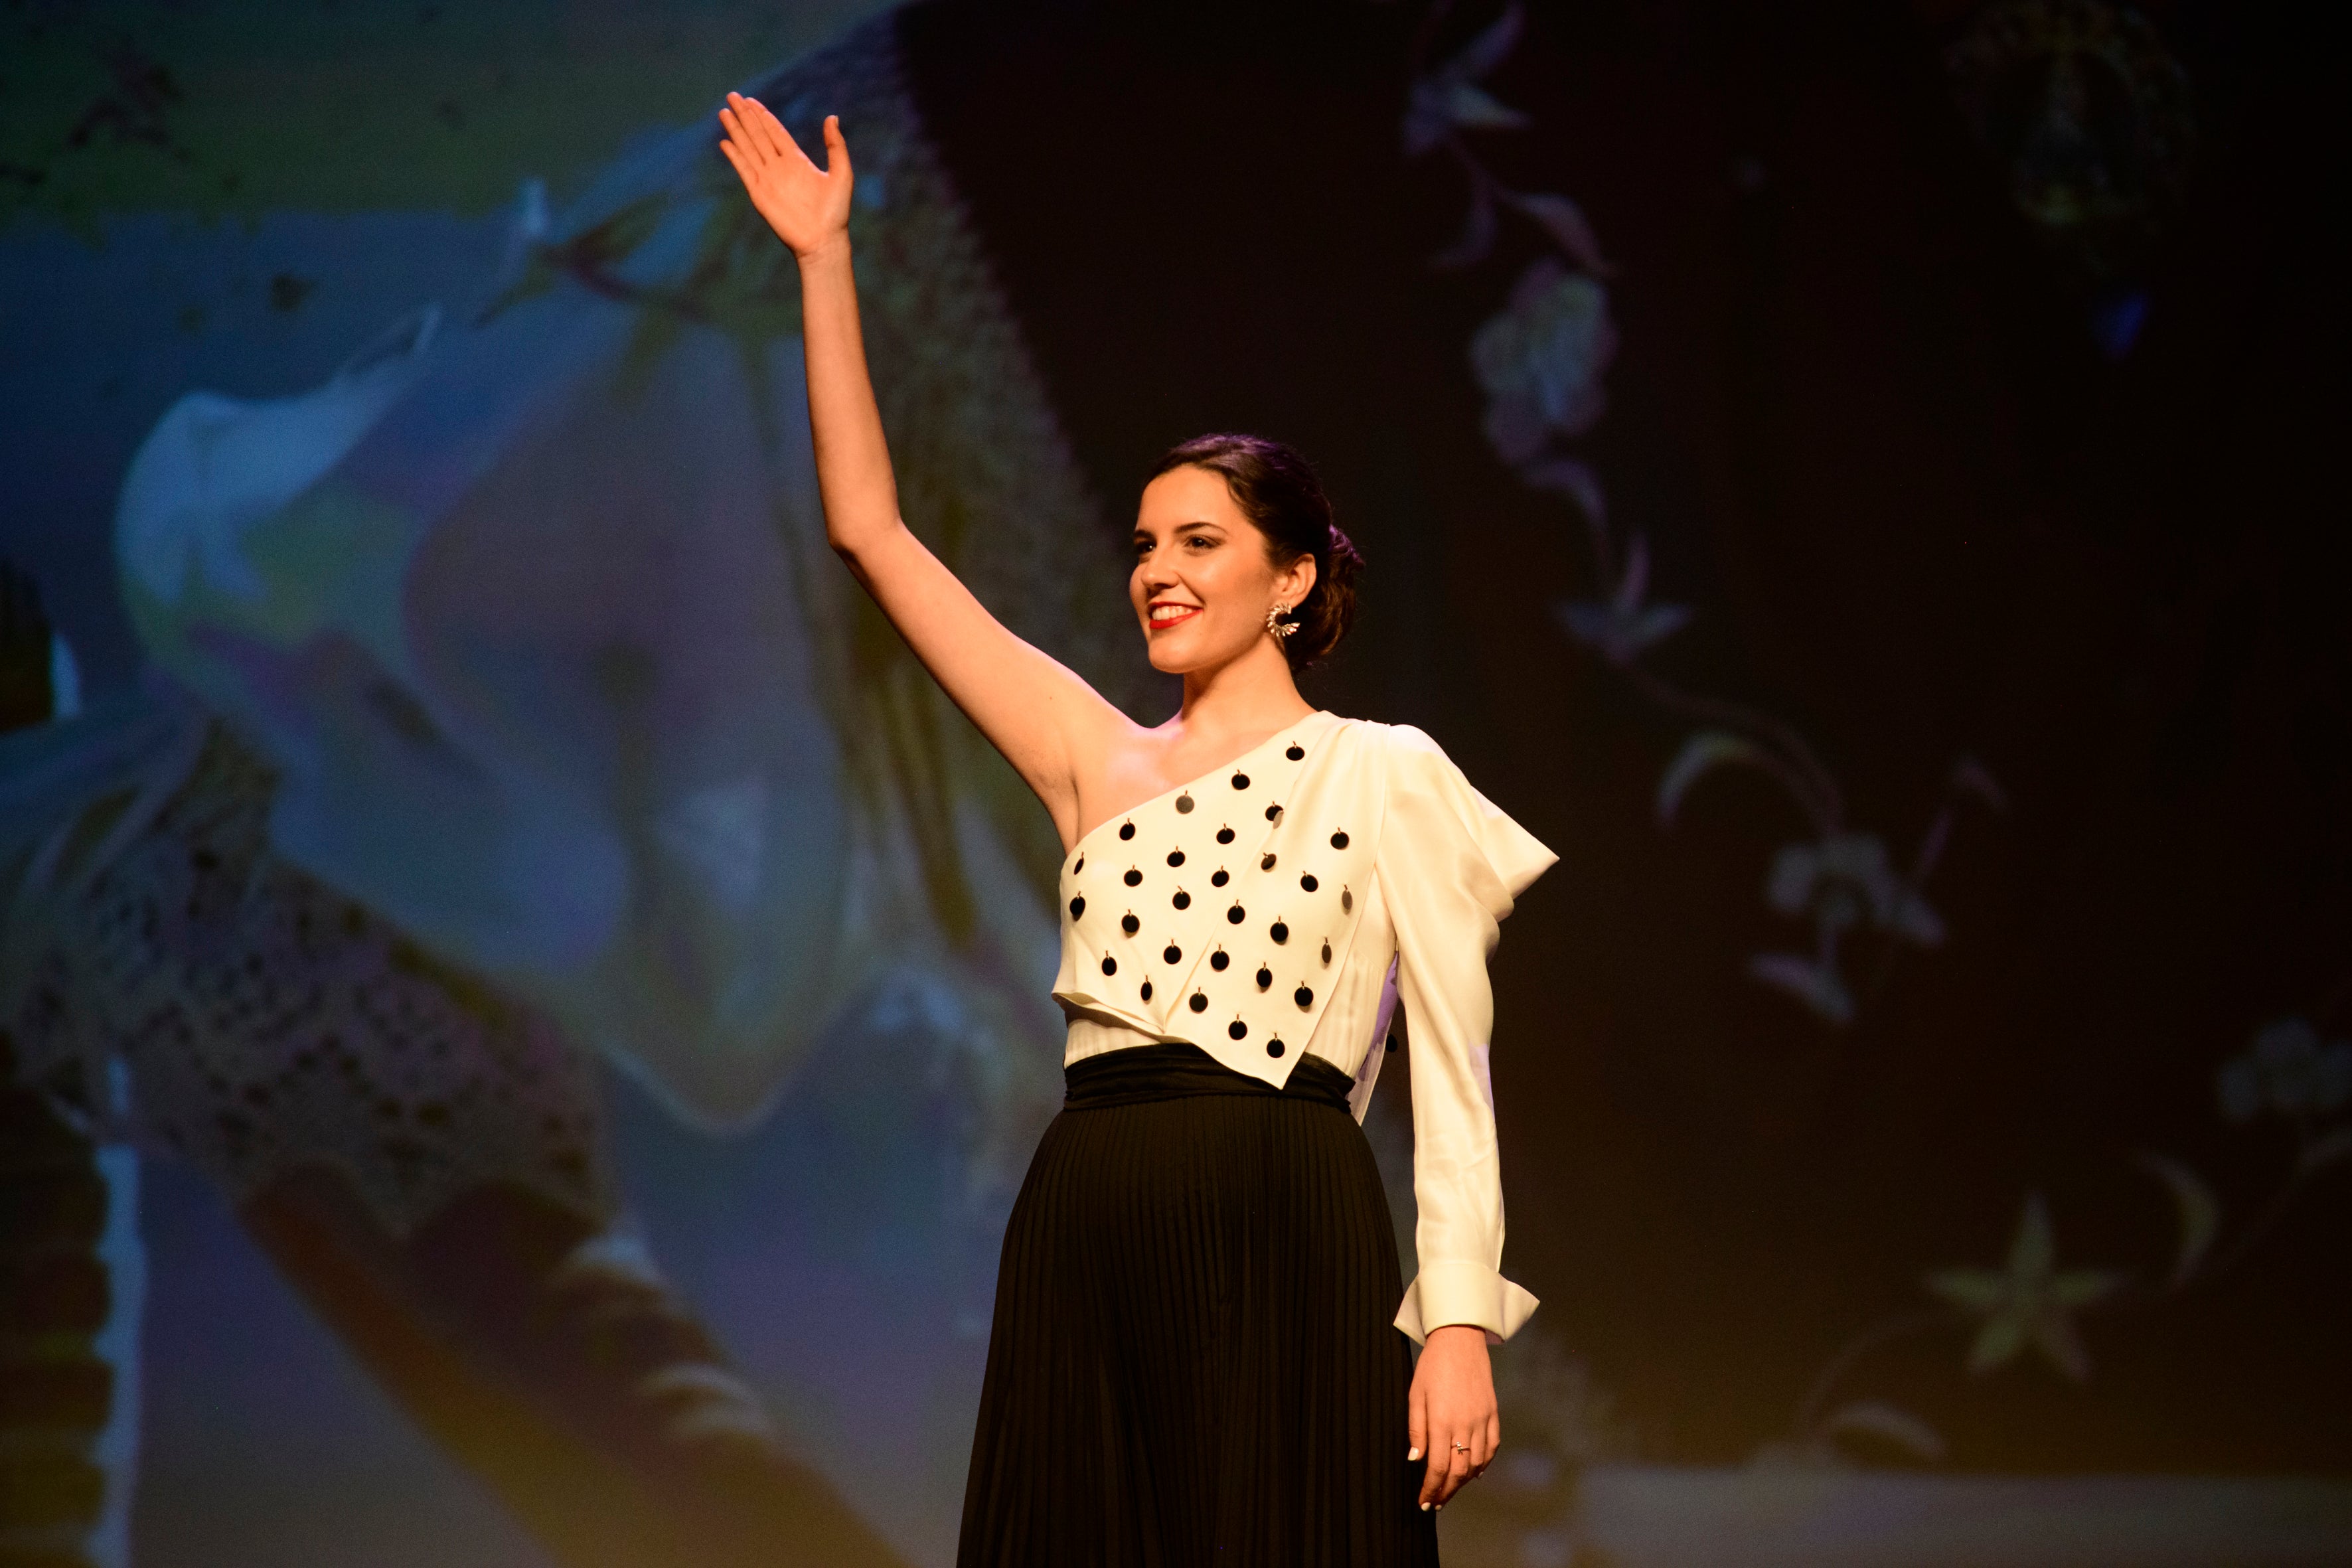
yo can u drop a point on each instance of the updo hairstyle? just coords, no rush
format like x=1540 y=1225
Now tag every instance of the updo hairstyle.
x=1275 y=489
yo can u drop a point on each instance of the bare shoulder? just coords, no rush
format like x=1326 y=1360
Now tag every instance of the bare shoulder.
x=1113 y=762
x=1121 y=764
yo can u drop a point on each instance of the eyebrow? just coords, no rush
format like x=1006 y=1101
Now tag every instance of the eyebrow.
x=1182 y=528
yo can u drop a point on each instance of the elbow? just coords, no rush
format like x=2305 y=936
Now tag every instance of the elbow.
x=856 y=552
x=860 y=544
x=853 y=543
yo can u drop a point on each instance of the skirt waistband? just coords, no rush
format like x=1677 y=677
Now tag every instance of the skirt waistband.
x=1174 y=1069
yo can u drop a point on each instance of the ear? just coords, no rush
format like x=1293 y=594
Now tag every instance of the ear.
x=1295 y=581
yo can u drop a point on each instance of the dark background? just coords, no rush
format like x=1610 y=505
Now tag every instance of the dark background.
x=1863 y=419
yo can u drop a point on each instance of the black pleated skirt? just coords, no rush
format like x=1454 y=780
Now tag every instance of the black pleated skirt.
x=1193 y=1359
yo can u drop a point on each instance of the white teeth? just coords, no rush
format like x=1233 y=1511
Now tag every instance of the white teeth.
x=1170 y=612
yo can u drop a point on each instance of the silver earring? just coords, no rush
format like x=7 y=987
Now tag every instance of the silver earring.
x=1275 y=624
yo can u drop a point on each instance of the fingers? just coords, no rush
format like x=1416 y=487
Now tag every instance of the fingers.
x=755 y=132
x=1457 y=1467
x=1449 y=1466
x=1485 y=1440
x=1417 y=1429
x=760 y=136
x=749 y=152
x=751 y=163
x=836 y=147
x=780 y=140
x=1435 y=1439
x=742 y=170
x=1459 y=1452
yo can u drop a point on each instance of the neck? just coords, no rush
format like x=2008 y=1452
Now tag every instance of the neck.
x=1251 y=694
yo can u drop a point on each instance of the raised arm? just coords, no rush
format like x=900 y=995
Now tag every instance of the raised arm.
x=1031 y=707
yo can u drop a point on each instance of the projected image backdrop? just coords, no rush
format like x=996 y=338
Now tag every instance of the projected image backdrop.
x=524 y=1011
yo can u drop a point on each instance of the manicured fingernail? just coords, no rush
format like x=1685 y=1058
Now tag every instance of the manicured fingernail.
x=1411 y=1455
x=1425 y=1508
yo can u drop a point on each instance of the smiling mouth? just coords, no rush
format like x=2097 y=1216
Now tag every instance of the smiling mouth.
x=1166 y=616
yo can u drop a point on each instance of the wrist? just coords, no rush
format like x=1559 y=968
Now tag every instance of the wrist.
x=1462 y=1335
x=832 y=252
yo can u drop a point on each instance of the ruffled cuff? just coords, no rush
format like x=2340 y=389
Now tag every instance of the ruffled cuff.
x=1461 y=1292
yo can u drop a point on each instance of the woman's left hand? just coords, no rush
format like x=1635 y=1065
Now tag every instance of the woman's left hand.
x=1452 y=1416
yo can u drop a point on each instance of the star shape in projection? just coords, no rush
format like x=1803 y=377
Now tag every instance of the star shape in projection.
x=2029 y=1301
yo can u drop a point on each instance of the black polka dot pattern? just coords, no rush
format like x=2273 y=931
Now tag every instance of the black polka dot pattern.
x=1166 y=827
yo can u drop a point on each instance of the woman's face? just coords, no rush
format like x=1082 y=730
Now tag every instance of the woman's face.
x=1202 y=580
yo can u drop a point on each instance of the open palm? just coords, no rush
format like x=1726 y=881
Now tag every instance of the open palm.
x=807 y=207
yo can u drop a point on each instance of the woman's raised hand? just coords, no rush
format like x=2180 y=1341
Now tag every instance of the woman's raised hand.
x=807 y=207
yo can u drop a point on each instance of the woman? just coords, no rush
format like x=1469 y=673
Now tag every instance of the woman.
x=1192 y=1356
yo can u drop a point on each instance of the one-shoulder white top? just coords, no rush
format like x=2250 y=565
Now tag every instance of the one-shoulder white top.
x=1284 y=906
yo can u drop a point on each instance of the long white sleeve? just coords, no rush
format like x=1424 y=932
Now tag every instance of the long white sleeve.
x=1450 y=866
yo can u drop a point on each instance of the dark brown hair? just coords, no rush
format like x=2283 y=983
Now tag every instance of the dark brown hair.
x=1276 y=489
